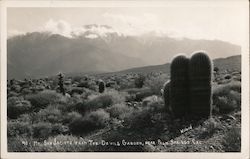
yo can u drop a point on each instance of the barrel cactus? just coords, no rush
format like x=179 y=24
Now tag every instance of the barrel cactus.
x=166 y=96
x=179 y=86
x=101 y=86
x=200 y=81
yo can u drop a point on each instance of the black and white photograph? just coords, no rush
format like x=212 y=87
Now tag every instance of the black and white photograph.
x=122 y=76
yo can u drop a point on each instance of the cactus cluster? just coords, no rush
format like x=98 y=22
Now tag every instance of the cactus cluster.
x=189 y=91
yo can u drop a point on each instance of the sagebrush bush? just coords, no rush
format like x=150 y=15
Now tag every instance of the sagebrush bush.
x=92 y=121
x=44 y=98
x=71 y=116
x=17 y=106
x=155 y=83
x=17 y=128
x=232 y=140
x=139 y=119
x=42 y=130
x=221 y=90
x=100 y=117
x=120 y=110
x=105 y=99
x=227 y=97
x=50 y=114
x=209 y=127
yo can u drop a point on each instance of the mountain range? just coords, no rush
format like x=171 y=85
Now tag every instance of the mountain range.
x=228 y=63
x=39 y=54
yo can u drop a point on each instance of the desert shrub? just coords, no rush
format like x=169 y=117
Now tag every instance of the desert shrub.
x=76 y=90
x=50 y=114
x=139 y=81
x=15 y=88
x=235 y=96
x=59 y=128
x=12 y=94
x=17 y=106
x=79 y=107
x=119 y=110
x=140 y=95
x=208 y=128
x=26 y=91
x=88 y=84
x=221 y=90
x=227 y=97
x=225 y=104
x=42 y=130
x=155 y=83
x=139 y=119
x=71 y=116
x=145 y=117
x=44 y=98
x=17 y=128
x=232 y=140
x=94 y=120
x=83 y=84
x=24 y=118
x=135 y=90
x=74 y=103
x=100 y=117
x=105 y=99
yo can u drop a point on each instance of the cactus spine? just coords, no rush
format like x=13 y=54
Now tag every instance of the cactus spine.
x=101 y=86
x=200 y=79
x=61 y=83
x=179 y=86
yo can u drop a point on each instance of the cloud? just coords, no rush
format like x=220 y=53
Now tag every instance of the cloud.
x=91 y=36
x=100 y=30
x=64 y=28
x=58 y=27
x=135 y=25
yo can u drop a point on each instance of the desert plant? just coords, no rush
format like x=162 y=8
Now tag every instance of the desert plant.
x=179 y=86
x=42 y=130
x=200 y=79
x=227 y=97
x=49 y=114
x=17 y=128
x=61 y=83
x=17 y=106
x=166 y=96
x=119 y=110
x=155 y=83
x=139 y=81
x=92 y=121
x=232 y=140
x=105 y=99
x=101 y=86
x=44 y=98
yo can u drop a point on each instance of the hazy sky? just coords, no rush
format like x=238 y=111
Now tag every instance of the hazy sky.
x=207 y=22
